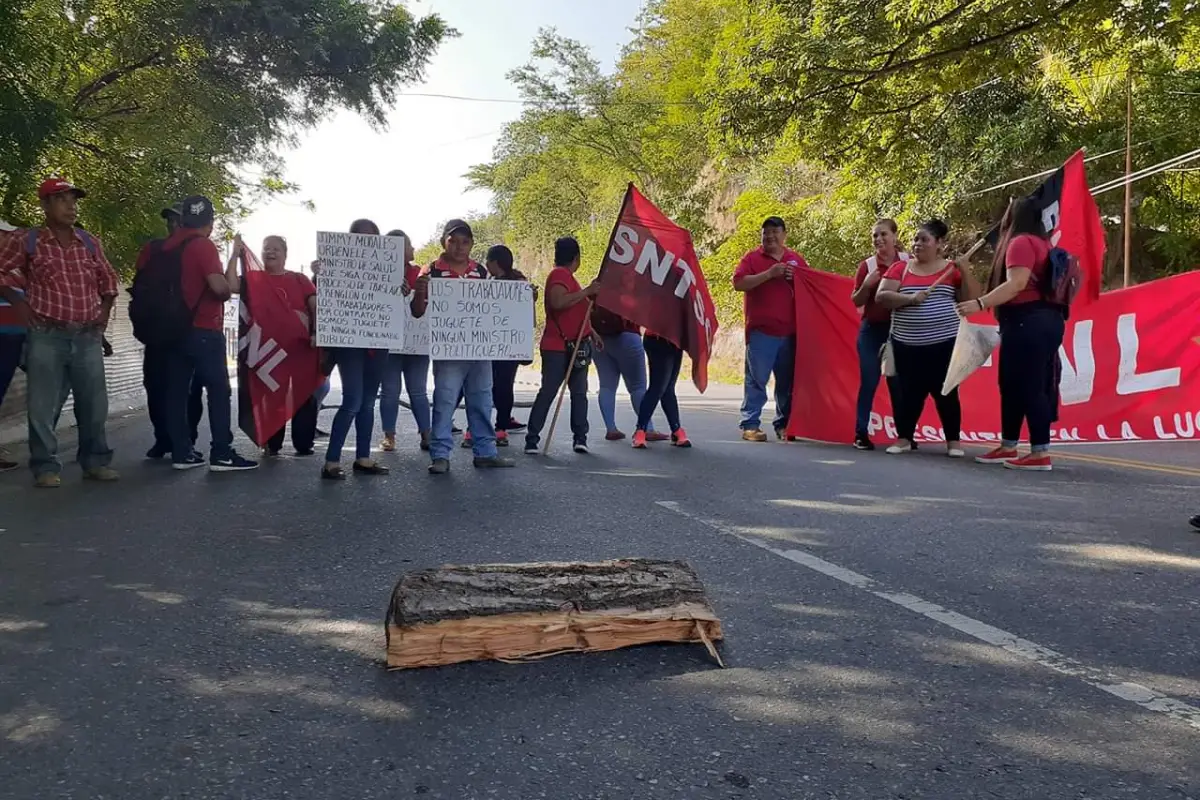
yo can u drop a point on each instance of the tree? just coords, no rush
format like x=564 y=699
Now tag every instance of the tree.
x=145 y=101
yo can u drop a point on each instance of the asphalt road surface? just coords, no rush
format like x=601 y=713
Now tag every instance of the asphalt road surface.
x=896 y=627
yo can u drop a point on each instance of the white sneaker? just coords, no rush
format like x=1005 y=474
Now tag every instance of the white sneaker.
x=899 y=449
x=956 y=452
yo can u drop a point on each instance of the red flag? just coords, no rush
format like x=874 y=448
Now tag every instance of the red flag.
x=278 y=368
x=651 y=277
x=1078 y=228
x=1072 y=220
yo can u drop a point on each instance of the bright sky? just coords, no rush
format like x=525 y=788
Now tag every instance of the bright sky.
x=411 y=175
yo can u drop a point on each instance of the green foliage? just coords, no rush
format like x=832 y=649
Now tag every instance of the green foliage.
x=145 y=101
x=832 y=113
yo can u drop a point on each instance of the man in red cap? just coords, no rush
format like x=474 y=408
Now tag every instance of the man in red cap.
x=62 y=288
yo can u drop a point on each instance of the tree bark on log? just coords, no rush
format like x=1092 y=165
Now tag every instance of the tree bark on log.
x=514 y=612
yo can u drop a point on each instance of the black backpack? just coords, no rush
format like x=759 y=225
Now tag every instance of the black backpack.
x=160 y=315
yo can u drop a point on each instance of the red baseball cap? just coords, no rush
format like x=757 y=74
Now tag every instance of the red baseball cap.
x=54 y=186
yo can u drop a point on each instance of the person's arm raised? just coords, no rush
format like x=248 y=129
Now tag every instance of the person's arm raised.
x=231 y=267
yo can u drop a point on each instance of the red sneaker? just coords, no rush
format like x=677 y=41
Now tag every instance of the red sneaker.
x=656 y=436
x=679 y=439
x=1034 y=462
x=501 y=438
x=467 y=441
x=639 y=440
x=614 y=436
x=1001 y=455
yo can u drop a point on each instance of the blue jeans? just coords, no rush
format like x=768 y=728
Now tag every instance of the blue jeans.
x=871 y=337
x=199 y=362
x=55 y=361
x=404 y=370
x=473 y=381
x=623 y=357
x=767 y=355
x=360 y=373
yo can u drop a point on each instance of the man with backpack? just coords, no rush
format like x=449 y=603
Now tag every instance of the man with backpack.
x=62 y=289
x=177 y=308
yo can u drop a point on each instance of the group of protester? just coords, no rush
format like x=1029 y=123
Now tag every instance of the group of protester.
x=60 y=289
x=912 y=305
x=576 y=333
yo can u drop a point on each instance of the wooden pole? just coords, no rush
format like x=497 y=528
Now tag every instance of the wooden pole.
x=562 y=390
x=1128 y=222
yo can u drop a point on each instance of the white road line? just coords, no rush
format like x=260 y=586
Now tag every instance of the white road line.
x=1031 y=651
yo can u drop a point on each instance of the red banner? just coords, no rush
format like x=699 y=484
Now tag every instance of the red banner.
x=1131 y=368
x=278 y=368
x=651 y=277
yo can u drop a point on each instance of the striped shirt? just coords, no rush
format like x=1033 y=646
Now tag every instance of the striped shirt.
x=934 y=321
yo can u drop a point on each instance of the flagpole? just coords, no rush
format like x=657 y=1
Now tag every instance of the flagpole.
x=1128 y=171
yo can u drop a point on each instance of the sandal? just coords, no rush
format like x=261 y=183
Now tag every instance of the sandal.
x=371 y=468
x=333 y=474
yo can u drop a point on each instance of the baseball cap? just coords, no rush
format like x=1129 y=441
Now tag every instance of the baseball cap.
x=454 y=226
x=196 y=211
x=173 y=210
x=53 y=186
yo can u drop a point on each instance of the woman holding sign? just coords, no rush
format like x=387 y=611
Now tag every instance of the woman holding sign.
x=360 y=371
x=406 y=369
x=923 y=294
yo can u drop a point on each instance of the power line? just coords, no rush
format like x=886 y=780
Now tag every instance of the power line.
x=550 y=103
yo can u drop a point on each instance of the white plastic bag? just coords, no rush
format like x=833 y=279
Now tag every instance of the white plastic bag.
x=972 y=348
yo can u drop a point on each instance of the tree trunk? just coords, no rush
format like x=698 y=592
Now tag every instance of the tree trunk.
x=514 y=612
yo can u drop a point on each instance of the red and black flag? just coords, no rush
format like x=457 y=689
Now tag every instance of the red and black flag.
x=1072 y=221
x=651 y=276
x=278 y=368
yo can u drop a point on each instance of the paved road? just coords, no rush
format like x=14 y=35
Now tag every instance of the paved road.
x=896 y=628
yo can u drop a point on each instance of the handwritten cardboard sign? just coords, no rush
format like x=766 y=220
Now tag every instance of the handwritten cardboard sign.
x=359 y=299
x=416 y=334
x=473 y=320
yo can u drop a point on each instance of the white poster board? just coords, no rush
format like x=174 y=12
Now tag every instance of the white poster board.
x=359 y=298
x=480 y=320
x=232 y=309
x=416 y=334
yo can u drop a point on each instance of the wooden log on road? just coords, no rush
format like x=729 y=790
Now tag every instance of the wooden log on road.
x=522 y=612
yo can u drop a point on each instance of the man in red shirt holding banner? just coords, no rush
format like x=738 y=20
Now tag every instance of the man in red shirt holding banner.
x=765 y=277
x=651 y=276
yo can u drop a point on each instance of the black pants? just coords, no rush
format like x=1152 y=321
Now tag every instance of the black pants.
x=504 y=378
x=665 y=360
x=1029 y=368
x=156 y=378
x=921 y=372
x=195 y=408
x=304 y=429
x=554 y=369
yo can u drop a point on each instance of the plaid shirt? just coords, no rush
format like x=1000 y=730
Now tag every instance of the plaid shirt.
x=61 y=284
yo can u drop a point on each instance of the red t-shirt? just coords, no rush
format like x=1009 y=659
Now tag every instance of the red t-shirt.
x=1032 y=253
x=873 y=311
x=200 y=259
x=295 y=287
x=771 y=307
x=567 y=321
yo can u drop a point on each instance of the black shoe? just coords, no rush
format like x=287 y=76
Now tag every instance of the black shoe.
x=305 y=452
x=231 y=463
x=455 y=430
x=1195 y=521
x=494 y=462
x=193 y=461
x=8 y=466
x=580 y=447
x=157 y=452
x=861 y=442
x=513 y=425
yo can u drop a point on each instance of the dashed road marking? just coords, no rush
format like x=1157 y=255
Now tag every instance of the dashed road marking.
x=1143 y=696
